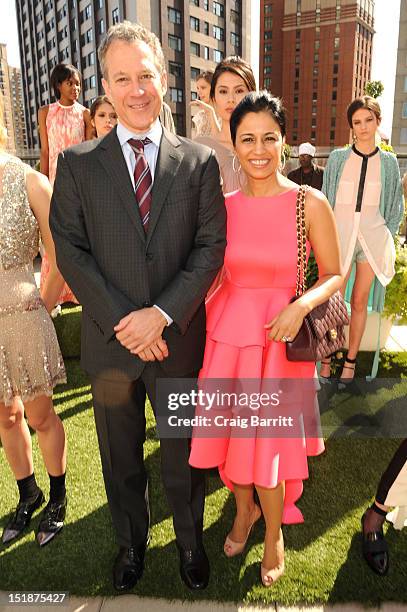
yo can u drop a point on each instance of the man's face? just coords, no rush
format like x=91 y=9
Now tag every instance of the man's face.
x=305 y=161
x=134 y=84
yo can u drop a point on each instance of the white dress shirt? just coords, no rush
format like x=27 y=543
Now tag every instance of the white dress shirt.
x=151 y=155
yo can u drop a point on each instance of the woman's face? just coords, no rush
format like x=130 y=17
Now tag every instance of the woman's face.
x=70 y=88
x=364 y=125
x=259 y=145
x=230 y=89
x=105 y=118
x=203 y=90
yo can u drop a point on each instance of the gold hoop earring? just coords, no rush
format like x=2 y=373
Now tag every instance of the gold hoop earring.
x=236 y=171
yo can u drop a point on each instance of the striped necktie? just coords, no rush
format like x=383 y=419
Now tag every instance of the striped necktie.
x=143 y=182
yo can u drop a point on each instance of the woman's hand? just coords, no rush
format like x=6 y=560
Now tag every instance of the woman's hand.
x=287 y=323
x=203 y=106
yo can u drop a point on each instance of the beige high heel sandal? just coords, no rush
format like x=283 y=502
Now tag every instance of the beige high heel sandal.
x=270 y=576
x=232 y=548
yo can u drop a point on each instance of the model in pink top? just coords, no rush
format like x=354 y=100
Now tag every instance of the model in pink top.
x=62 y=124
x=250 y=317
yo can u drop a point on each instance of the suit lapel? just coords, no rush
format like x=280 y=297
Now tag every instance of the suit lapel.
x=169 y=159
x=112 y=159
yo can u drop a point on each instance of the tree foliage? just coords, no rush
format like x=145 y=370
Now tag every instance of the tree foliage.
x=374 y=88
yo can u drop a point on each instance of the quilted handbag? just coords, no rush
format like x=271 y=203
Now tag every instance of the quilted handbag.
x=322 y=331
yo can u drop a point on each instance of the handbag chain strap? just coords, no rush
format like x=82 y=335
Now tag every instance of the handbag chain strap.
x=301 y=241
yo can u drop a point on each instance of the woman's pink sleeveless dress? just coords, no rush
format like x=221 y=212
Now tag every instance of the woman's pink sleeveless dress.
x=65 y=128
x=261 y=267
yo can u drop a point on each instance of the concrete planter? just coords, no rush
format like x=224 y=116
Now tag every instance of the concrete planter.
x=369 y=339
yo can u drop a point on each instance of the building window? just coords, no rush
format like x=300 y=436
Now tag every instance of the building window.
x=332 y=135
x=315 y=83
x=404 y=111
x=297 y=34
x=194 y=48
x=235 y=39
x=314 y=96
x=267 y=70
x=316 y=45
x=268 y=35
x=268 y=48
x=335 y=68
x=101 y=26
x=334 y=82
x=92 y=82
x=268 y=23
x=115 y=16
x=194 y=2
x=174 y=16
x=267 y=83
x=174 y=42
x=405 y=84
x=295 y=137
x=206 y=5
x=316 y=58
x=295 y=99
x=87 y=13
x=334 y=95
x=176 y=95
x=218 y=33
x=333 y=122
x=194 y=24
x=297 y=73
x=206 y=28
x=314 y=122
x=99 y=4
x=175 y=69
x=218 y=9
x=403 y=136
x=206 y=53
x=295 y=85
x=195 y=72
x=217 y=56
x=194 y=95
x=313 y=134
x=88 y=36
x=333 y=111
x=267 y=9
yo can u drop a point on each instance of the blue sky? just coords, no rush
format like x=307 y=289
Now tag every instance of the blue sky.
x=384 y=49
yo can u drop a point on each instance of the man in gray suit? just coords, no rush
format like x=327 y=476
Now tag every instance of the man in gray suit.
x=138 y=220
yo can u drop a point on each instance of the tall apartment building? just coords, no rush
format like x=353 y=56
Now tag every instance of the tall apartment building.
x=18 y=109
x=316 y=55
x=399 y=130
x=7 y=99
x=195 y=35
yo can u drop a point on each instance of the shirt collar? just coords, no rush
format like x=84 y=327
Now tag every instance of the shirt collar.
x=154 y=133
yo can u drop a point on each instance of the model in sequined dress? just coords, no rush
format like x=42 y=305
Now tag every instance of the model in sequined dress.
x=30 y=359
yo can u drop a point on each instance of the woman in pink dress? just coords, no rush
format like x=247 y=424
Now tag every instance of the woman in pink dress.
x=62 y=124
x=250 y=317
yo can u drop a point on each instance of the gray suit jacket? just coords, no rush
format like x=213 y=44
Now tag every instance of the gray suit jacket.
x=114 y=268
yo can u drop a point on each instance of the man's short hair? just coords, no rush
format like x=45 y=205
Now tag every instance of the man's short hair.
x=131 y=32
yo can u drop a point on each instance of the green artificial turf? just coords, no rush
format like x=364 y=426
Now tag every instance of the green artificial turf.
x=323 y=558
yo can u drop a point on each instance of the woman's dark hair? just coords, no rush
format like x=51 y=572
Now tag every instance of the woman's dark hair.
x=61 y=73
x=98 y=102
x=207 y=76
x=258 y=102
x=238 y=66
x=366 y=102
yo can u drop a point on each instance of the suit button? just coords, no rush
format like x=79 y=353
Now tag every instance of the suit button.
x=149 y=256
x=146 y=304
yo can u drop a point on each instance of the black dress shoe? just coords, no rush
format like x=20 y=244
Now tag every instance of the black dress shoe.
x=375 y=550
x=128 y=567
x=194 y=568
x=51 y=522
x=21 y=518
